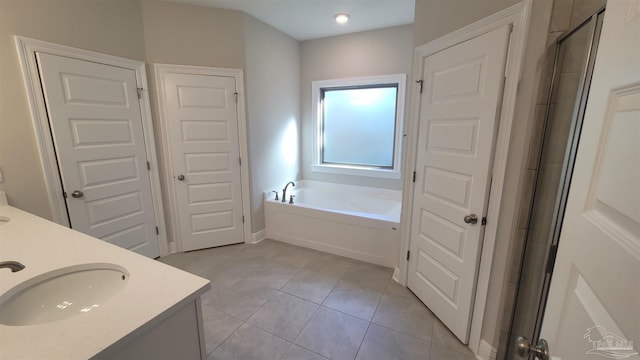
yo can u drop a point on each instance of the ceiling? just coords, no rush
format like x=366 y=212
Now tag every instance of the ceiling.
x=311 y=19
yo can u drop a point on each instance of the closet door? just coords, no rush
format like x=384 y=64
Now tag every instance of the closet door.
x=459 y=109
x=96 y=123
x=202 y=118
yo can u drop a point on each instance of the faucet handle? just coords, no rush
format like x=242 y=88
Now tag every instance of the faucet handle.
x=277 y=198
x=291 y=199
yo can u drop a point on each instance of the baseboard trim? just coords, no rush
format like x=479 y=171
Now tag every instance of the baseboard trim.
x=396 y=275
x=172 y=247
x=258 y=236
x=486 y=351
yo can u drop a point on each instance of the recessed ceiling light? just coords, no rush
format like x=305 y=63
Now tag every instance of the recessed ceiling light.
x=341 y=18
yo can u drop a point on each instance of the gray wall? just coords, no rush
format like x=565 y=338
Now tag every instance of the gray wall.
x=434 y=18
x=193 y=35
x=156 y=32
x=273 y=108
x=107 y=26
x=376 y=52
x=182 y=34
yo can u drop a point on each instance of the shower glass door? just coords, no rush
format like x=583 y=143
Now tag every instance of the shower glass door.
x=575 y=58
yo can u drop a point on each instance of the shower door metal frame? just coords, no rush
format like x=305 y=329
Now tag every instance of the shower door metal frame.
x=567 y=169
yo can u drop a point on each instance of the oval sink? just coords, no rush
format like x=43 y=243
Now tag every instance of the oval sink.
x=61 y=293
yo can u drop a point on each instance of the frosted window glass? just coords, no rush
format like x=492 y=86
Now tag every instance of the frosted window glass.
x=359 y=126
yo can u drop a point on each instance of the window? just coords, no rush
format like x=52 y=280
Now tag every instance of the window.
x=358 y=125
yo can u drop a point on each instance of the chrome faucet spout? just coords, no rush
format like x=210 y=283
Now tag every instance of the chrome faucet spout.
x=284 y=191
x=13 y=265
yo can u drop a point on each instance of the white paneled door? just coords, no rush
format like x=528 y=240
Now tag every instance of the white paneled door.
x=95 y=120
x=201 y=112
x=592 y=310
x=459 y=108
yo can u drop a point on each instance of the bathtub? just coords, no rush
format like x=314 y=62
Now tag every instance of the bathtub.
x=353 y=221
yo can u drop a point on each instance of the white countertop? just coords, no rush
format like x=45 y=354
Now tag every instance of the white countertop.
x=42 y=246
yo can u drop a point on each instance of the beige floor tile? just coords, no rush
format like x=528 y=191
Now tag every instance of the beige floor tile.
x=439 y=352
x=372 y=276
x=296 y=352
x=405 y=315
x=273 y=274
x=333 y=334
x=217 y=327
x=294 y=256
x=353 y=299
x=381 y=343
x=242 y=299
x=310 y=285
x=394 y=288
x=250 y=343
x=443 y=337
x=283 y=315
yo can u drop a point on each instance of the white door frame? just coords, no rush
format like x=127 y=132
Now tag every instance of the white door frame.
x=27 y=49
x=518 y=17
x=237 y=74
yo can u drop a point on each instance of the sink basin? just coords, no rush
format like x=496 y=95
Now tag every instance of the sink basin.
x=62 y=293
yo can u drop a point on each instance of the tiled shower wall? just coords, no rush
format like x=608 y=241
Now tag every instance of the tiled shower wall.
x=566 y=15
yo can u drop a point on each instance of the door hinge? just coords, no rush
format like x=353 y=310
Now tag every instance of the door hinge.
x=148 y=166
x=414 y=176
x=235 y=95
x=157 y=231
x=553 y=251
x=64 y=193
x=484 y=220
x=243 y=219
x=140 y=93
x=420 y=82
x=408 y=255
x=240 y=161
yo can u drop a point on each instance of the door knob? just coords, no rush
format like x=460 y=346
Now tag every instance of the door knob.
x=524 y=348
x=77 y=194
x=181 y=177
x=471 y=219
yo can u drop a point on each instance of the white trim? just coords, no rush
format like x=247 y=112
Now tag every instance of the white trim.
x=396 y=274
x=518 y=16
x=317 y=166
x=27 y=48
x=259 y=236
x=357 y=171
x=237 y=74
x=486 y=351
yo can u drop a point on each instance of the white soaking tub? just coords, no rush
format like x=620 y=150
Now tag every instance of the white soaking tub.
x=353 y=221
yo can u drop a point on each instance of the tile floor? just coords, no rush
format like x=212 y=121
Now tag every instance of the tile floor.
x=276 y=301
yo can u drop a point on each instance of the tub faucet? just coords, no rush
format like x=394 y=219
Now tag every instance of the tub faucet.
x=13 y=265
x=284 y=191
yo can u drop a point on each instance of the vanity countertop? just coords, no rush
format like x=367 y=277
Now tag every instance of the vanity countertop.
x=154 y=290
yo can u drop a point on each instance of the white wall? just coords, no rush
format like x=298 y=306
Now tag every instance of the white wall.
x=376 y=52
x=273 y=111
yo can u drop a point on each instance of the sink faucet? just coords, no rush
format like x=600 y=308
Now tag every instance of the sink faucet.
x=284 y=191
x=13 y=265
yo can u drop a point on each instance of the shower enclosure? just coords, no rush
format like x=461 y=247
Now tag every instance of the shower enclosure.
x=575 y=58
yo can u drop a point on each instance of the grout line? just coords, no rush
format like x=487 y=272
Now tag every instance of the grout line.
x=363 y=338
x=305 y=326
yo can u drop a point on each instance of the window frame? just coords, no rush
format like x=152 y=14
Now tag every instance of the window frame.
x=317 y=89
